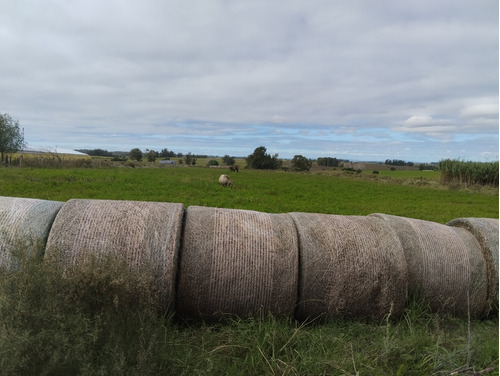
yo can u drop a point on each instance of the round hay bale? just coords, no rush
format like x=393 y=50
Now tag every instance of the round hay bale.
x=446 y=267
x=351 y=267
x=237 y=262
x=24 y=227
x=485 y=230
x=145 y=235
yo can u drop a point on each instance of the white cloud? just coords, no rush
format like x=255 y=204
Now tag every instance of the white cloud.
x=481 y=110
x=79 y=70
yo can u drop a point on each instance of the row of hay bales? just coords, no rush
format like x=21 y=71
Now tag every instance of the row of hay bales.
x=210 y=262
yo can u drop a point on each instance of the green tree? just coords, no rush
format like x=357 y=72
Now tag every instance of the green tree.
x=330 y=162
x=11 y=137
x=260 y=160
x=136 y=154
x=190 y=159
x=227 y=160
x=300 y=163
x=151 y=156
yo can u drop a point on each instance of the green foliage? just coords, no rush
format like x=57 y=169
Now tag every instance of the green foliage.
x=151 y=156
x=136 y=154
x=227 y=160
x=260 y=160
x=427 y=167
x=469 y=172
x=398 y=162
x=190 y=159
x=300 y=163
x=11 y=137
x=166 y=153
x=330 y=162
x=96 y=152
x=212 y=162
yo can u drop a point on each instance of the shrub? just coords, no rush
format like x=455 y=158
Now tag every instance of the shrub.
x=260 y=160
x=300 y=163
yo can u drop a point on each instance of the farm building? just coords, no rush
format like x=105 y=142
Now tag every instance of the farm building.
x=168 y=162
x=48 y=151
x=43 y=155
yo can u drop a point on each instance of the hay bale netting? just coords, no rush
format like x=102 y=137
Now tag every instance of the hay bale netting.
x=237 y=262
x=485 y=230
x=351 y=267
x=145 y=235
x=24 y=226
x=446 y=267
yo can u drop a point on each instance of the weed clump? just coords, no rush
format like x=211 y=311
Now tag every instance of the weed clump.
x=97 y=318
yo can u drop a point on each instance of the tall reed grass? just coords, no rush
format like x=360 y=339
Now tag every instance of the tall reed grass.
x=469 y=173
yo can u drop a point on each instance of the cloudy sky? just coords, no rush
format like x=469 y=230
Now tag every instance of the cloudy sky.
x=363 y=80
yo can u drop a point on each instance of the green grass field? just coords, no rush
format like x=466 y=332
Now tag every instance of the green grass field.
x=276 y=192
x=46 y=330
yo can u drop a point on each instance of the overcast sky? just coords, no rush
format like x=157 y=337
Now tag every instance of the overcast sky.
x=363 y=80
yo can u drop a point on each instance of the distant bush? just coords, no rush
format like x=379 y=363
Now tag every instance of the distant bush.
x=118 y=158
x=300 y=163
x=96 y=152
x=427 y=167
x=398 y=162
x=260 y=160
x=136 y=154
x=212 y=162
x=330 y=162
x=229 y=161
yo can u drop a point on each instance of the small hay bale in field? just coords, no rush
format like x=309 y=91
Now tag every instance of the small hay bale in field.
x=351 y=267
x=24 y=227
x=237 y=262
x=446 y=267
x=485 y=230
x=144 y=234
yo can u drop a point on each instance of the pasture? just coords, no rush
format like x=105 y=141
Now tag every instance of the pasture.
x=46 y=329
x=403 y=193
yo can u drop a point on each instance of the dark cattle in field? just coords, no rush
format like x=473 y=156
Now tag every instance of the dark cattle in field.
x=234 y=168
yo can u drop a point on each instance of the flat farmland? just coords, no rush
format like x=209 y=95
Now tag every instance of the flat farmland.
x=415 y=194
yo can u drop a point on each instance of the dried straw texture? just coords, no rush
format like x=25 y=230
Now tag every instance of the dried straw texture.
x=24 y=227
x=237 y=262
x=446 y=266
x=146 y=235
x=485 y=230
x=351 y=267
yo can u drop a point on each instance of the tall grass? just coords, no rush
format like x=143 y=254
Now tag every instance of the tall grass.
x=94 y=322
x=469 y=172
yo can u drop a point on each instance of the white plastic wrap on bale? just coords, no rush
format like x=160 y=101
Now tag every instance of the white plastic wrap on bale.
x=24 y=226
x=237 y=262
x=485 y=230
x=351 y=267
x=446 y=266
x=144 y=234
